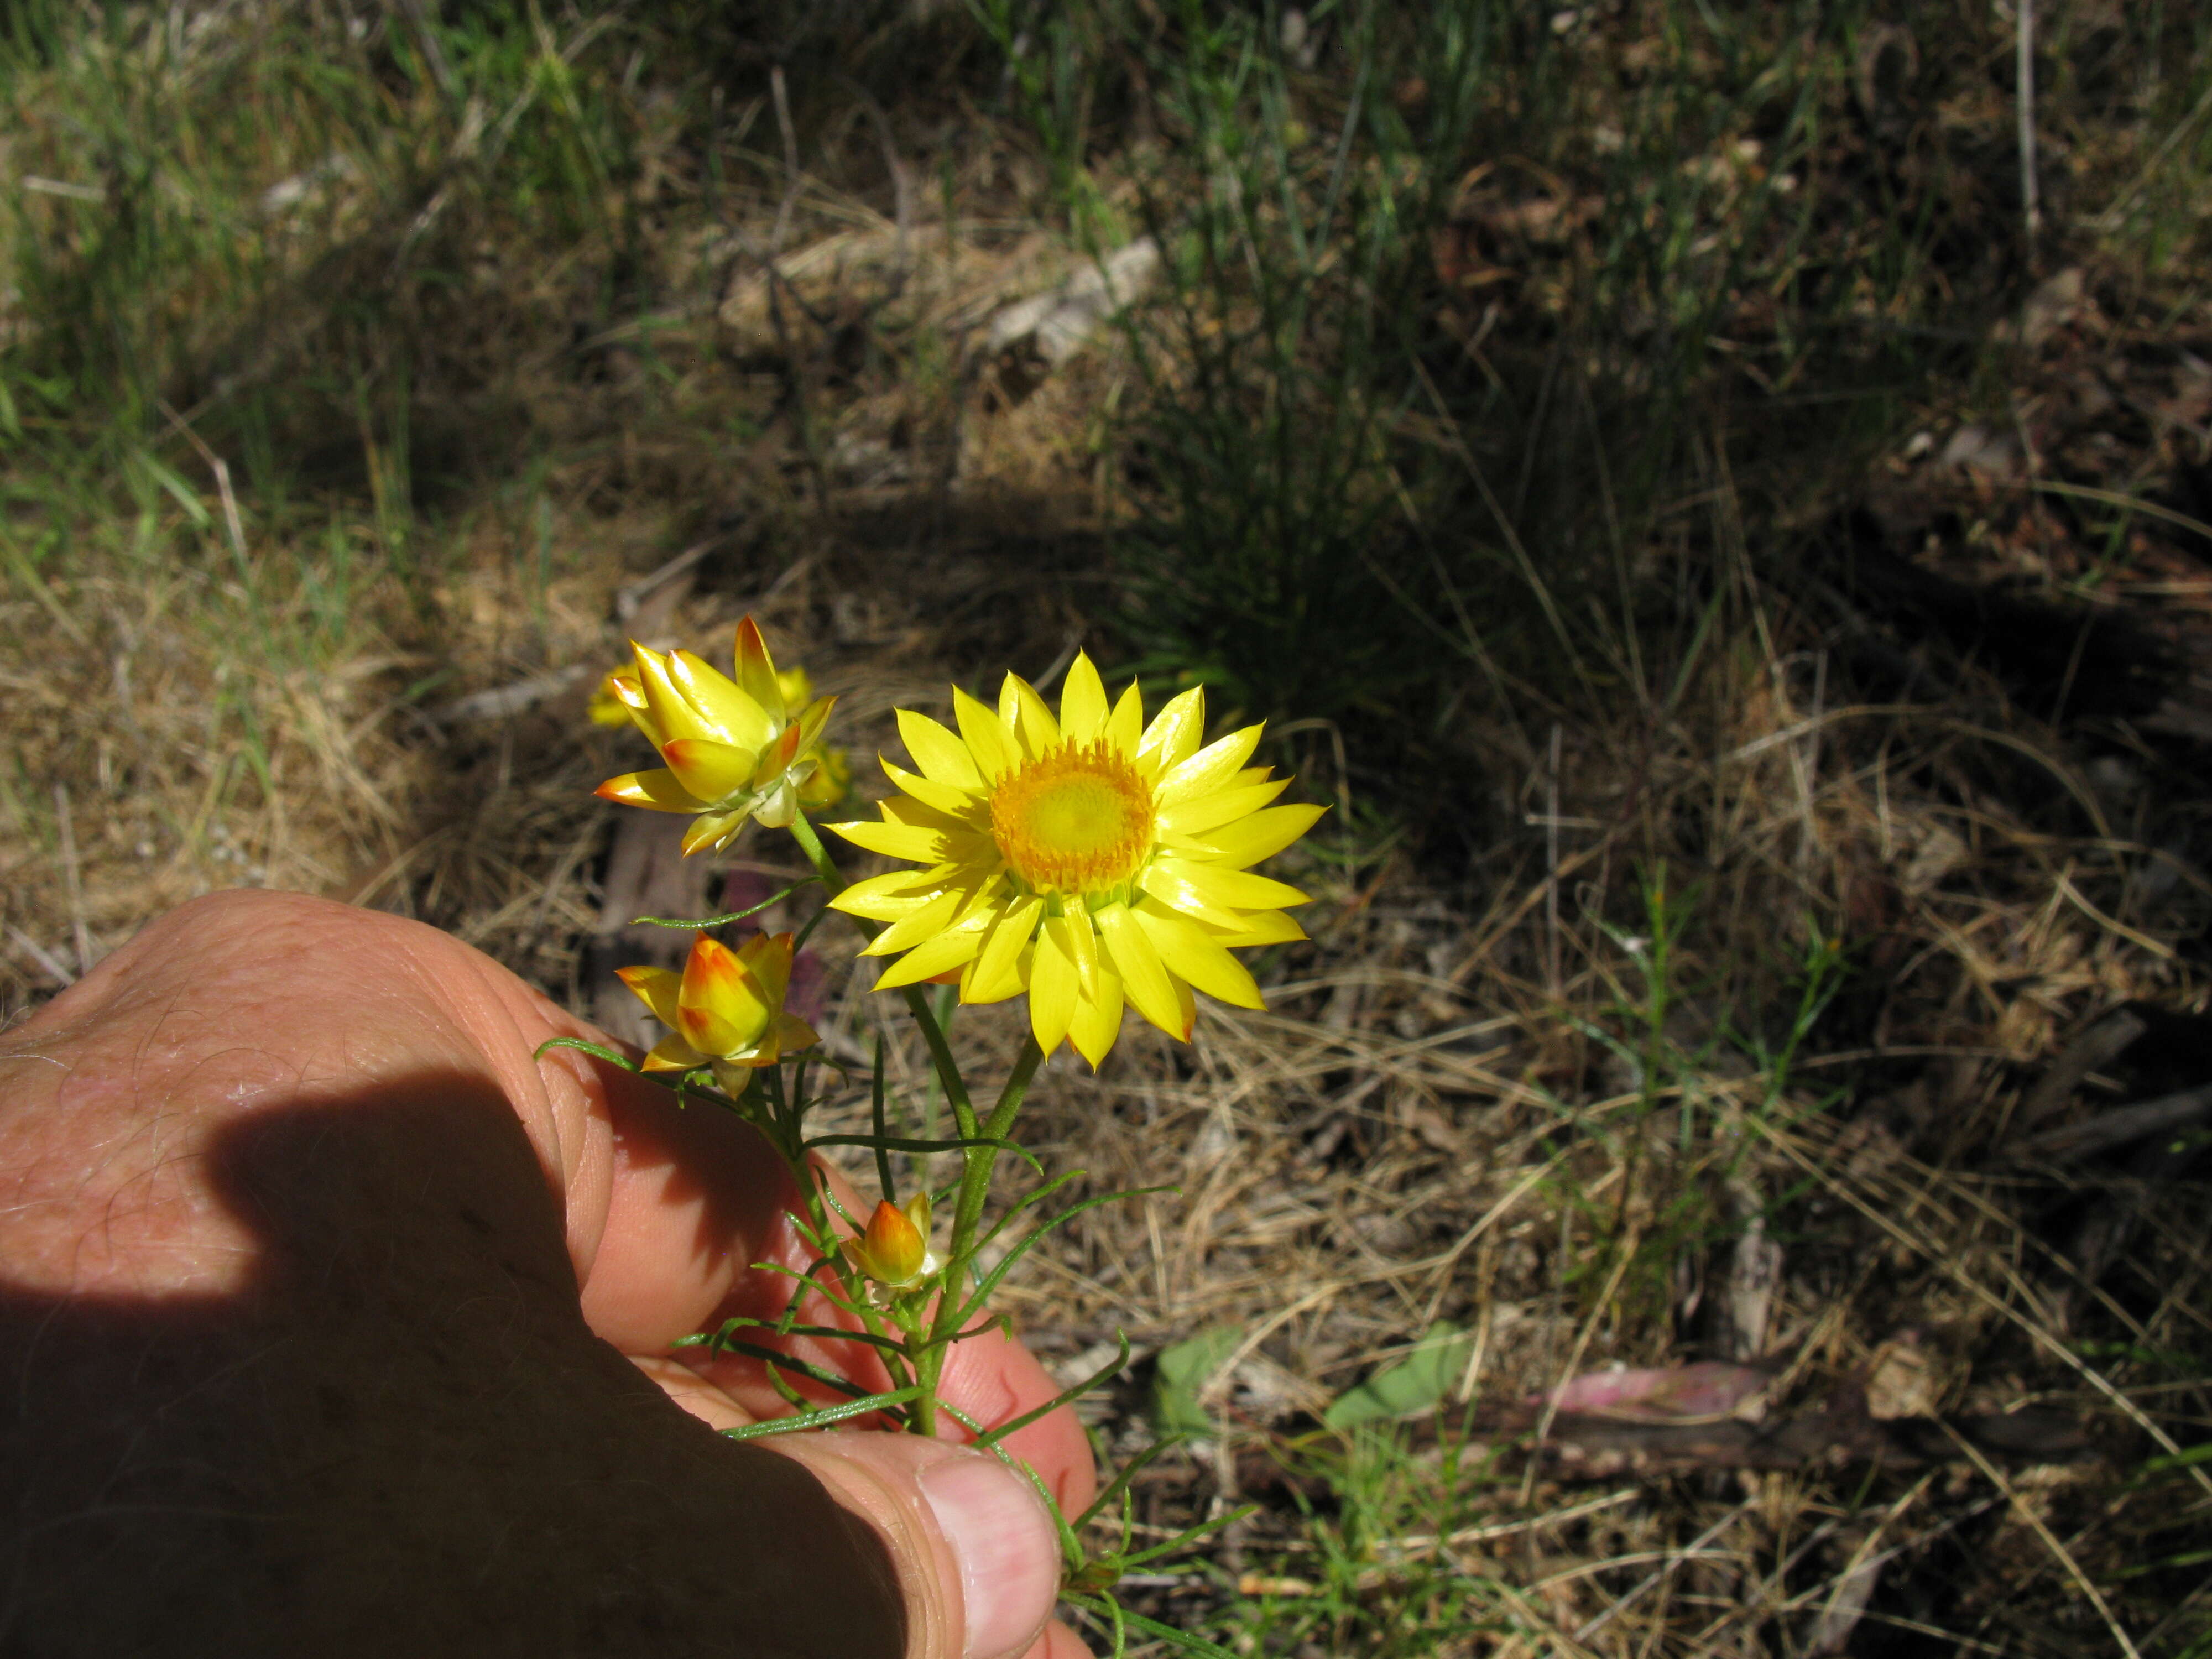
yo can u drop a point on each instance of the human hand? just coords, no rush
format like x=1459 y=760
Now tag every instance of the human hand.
x=331 y=1319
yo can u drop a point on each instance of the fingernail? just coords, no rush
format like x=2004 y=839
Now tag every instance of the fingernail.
x=1003 y=1540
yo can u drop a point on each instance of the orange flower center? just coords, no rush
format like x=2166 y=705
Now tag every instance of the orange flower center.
x=1076 y=820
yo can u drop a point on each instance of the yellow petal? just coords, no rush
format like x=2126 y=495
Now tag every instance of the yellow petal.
x=998 y=965
x=793 y=1034
x=709 y=769
x=1097 y=1019
x=1178 y=892
x=944 y=797
x=628 y=684
x=1026 y=716
x=898 y=809
x=1174 y=733
x=1054 y=988
x=917 y=1211
x=713 y=829
x=767 y=957
x=989 y=743
x=618 y=699
x=1218 y=884
x=1189 y=952
x=1197 y=816
x=655 y=988
x=659 y=789
x=1262 y=835
x=776 y=760
x=730 y=712
x=1082 y=702
x=1208 y=770
x=673 y=1053
x=910 y=929
x=1124 y=727
x=1082 y=944
x=943 y=758
x=1262 y=928
x=721 y=1008
x=912 y=841
x=812 y=719
x=756 y=674
x=932 y=958
x=672 y=712
x=1145 y=978
x=887 y=897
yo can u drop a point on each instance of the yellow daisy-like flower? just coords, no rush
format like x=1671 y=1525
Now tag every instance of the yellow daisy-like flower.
x=725 y=1008
x=735 y=749
x=895 y=1250
x=1087 y=859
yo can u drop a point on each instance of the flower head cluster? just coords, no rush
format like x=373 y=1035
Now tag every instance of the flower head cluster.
x=894 y=1249
x=735 y=749
x=725 y=1009
x=1090 y=859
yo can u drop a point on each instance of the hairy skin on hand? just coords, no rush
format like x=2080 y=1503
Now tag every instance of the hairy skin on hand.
x=316 y=1292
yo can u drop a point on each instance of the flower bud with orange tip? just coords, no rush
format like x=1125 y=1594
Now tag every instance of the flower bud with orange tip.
x=736 y=749
x=895 y=1250
x=725 y=1007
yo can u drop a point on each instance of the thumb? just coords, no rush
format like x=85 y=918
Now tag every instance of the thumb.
x=974 y=1553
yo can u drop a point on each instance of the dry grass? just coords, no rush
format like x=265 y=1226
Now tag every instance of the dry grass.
x=1543 y=1092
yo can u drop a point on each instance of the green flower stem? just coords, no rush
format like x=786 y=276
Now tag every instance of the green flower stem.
x=933 y=1034
x=967 y=1217
x=976 y=1183
x=926 y=1350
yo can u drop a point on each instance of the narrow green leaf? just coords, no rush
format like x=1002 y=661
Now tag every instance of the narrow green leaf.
x=702 y=922
x=829 y=1379
x=827 y=1333
x=591 y=1048
x=823 y=1418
